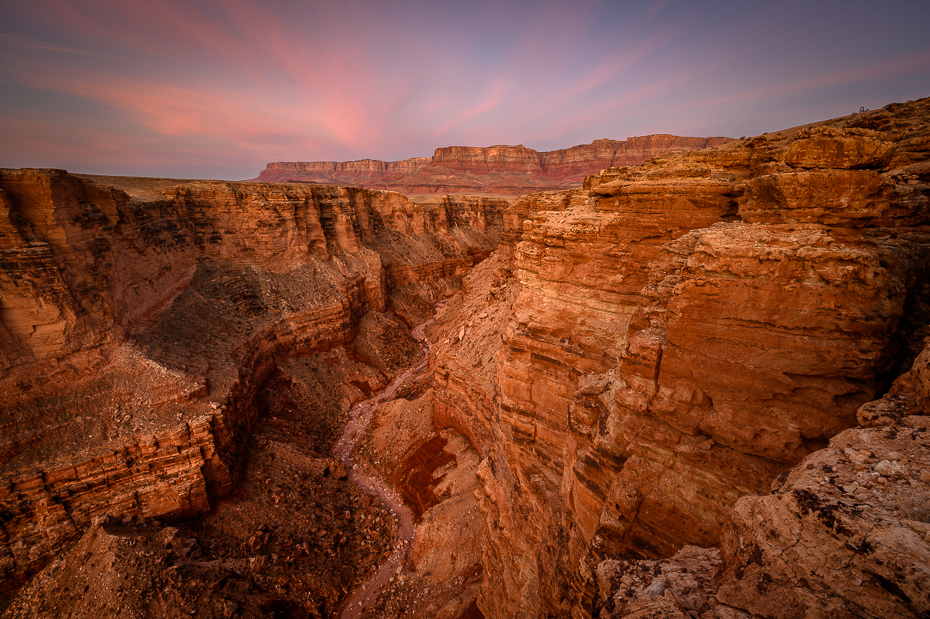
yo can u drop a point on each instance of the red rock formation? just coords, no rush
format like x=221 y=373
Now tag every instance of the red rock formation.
x=429 y=443
x=364 y=168
x=509 y=170
x=685 y=331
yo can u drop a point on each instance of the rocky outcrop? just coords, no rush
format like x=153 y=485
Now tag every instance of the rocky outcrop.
x=511 y=170
x=674 y=588
x=292 y=537
x=687 y=330
x=846 y=533
x=574 y=161
x=140 y=318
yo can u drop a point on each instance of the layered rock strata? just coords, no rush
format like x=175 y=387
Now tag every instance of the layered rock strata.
x=294 y=536
x=687 y=330
x=511 y=170
x=140 y=318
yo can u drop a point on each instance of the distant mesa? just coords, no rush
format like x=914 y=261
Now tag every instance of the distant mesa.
x=504 y=170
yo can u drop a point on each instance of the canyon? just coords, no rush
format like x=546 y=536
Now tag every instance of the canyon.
x=697 y=386
x=496 y=170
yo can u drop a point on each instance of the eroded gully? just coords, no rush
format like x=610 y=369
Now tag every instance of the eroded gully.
x=359 y=417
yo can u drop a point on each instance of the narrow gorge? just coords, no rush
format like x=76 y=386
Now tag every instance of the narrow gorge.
x=694 y=387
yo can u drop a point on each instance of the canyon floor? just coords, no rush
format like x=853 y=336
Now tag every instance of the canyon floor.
x=694 y=387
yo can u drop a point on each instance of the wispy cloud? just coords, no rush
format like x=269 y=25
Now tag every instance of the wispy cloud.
x=48 y=47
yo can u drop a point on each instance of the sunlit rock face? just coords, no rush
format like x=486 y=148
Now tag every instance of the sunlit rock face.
x=685 y=331
x=501 y=169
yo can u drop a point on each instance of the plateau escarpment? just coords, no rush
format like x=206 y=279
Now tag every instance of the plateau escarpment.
x=508 y=170
x=144 y=321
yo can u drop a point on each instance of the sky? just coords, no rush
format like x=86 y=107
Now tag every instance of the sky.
x=200 y=89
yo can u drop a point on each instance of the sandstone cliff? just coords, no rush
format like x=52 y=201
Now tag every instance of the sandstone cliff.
x=510 y=170
x=685 y=331
x=844 y=534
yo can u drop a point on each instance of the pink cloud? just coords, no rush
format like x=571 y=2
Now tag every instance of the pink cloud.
x=334 y=94
x=489 y=102
x=328 y=93
x=141 y=27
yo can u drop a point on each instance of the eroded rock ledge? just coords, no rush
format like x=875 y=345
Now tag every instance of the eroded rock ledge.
x=845 y=534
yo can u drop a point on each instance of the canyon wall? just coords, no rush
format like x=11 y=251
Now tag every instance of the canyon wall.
x=140 y=317
x=685 y=331
x=511 y=170
x=642 y=402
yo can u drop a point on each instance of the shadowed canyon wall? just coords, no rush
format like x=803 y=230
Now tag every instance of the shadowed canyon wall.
x=139 y=317
x=509 y=170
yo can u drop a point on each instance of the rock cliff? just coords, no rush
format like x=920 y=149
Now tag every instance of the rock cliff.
x=843 y=534
x=685 y=331
x=509 y=170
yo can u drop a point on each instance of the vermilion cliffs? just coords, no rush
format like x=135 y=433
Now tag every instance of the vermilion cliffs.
x=506 y=170
x=694 y=387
